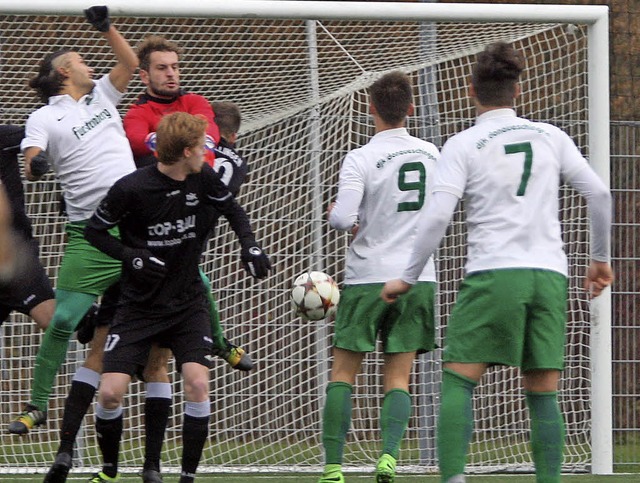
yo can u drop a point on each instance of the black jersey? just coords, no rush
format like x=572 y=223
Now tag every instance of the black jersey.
x=168 y=218
x=10 y=137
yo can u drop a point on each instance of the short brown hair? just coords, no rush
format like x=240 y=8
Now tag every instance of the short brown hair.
x=227 y=117
x=177 y=131
x=392 y=95
x=496 y=73
x=154 y=43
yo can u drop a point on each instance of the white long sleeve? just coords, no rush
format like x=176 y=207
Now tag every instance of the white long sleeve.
x=431 y=231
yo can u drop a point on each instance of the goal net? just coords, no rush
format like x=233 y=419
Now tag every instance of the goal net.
x=302 y=87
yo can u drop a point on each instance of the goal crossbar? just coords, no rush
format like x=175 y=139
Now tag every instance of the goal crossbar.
x=595 y=18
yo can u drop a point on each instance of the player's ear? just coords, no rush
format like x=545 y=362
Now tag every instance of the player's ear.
x=144 y=76
x=411 y=109
x=518 y=90
x=372 y=109
x=471 y=90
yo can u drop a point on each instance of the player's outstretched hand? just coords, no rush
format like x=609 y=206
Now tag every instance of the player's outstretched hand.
x=255 y=261
x=393 y=289
x=599 y=277
x=145 y=265
x=40 y=164
x=98 y=16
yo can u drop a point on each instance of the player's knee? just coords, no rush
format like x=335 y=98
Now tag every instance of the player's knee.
x=197 y=389
x=110 y=397
x=63 y=322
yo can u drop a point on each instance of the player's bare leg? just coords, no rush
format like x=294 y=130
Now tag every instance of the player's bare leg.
x=43 y=313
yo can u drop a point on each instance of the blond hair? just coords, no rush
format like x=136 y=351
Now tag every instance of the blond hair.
x=177 y=131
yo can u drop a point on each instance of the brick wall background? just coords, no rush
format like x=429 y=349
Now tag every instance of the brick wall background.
x=624 y=51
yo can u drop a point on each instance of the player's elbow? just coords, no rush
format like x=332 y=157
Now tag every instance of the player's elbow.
x=602 y=197
x=340 y=222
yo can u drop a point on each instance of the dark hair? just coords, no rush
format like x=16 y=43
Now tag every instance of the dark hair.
x=48 y=82
x=496 y=73
x=391 y=95
x=154 y=43
x=227 y=117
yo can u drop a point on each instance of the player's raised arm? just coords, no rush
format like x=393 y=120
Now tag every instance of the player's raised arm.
x=123 y=71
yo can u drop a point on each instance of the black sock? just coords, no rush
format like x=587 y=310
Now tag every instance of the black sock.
x=156 y=413
x=109 y=432
x=194 y=435
x=75 y=407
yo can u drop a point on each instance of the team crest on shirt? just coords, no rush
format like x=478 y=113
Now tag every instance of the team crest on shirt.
x=192 y=199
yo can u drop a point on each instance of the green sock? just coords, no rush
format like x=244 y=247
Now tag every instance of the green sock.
x=336 y=421
x=70 y=308
x=455 y=423
x=214 y=314
x=394 y=418
x=547 y=435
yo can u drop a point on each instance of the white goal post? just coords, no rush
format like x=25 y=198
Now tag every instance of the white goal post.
x=299 y=71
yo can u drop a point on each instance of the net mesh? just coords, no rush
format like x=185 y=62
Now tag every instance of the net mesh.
x=302 y=90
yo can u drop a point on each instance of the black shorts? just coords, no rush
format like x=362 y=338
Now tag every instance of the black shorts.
x=186 y=332
x=31 y=288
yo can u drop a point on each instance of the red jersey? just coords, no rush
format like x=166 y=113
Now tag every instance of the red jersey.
x=145 y=114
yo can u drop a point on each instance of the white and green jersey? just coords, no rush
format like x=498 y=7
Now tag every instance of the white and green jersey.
x=383 y=186
x=509 y=171
x=86 y=144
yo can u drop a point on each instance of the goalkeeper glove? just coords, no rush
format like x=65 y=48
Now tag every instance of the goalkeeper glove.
x=210 y=150
x=40 y=164
x=255 y=261
x=150 y=142
x=98 y=16
x=145 y=266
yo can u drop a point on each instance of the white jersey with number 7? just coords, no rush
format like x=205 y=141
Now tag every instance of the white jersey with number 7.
x=509 y=171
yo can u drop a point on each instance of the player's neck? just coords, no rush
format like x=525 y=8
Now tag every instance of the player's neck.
x=383 y=126
x=481 y=108
x=74 y=91
x=177 y=171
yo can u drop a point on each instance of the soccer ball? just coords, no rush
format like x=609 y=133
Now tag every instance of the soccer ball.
x=315 y=296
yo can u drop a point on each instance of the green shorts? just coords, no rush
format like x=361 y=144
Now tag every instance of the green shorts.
x=405 y=326
x=513 y=317
x=84 y=268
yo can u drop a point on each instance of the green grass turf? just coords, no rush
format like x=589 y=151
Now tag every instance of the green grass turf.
x=355 y=478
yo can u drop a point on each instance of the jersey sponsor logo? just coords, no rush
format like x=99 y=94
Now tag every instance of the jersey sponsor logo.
x=389 y=157
x=481 y=143
x=29 y=299
x=95 y=121
x=61 y=117
x=172 y=193
x=180 y=226
x=192 y=199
